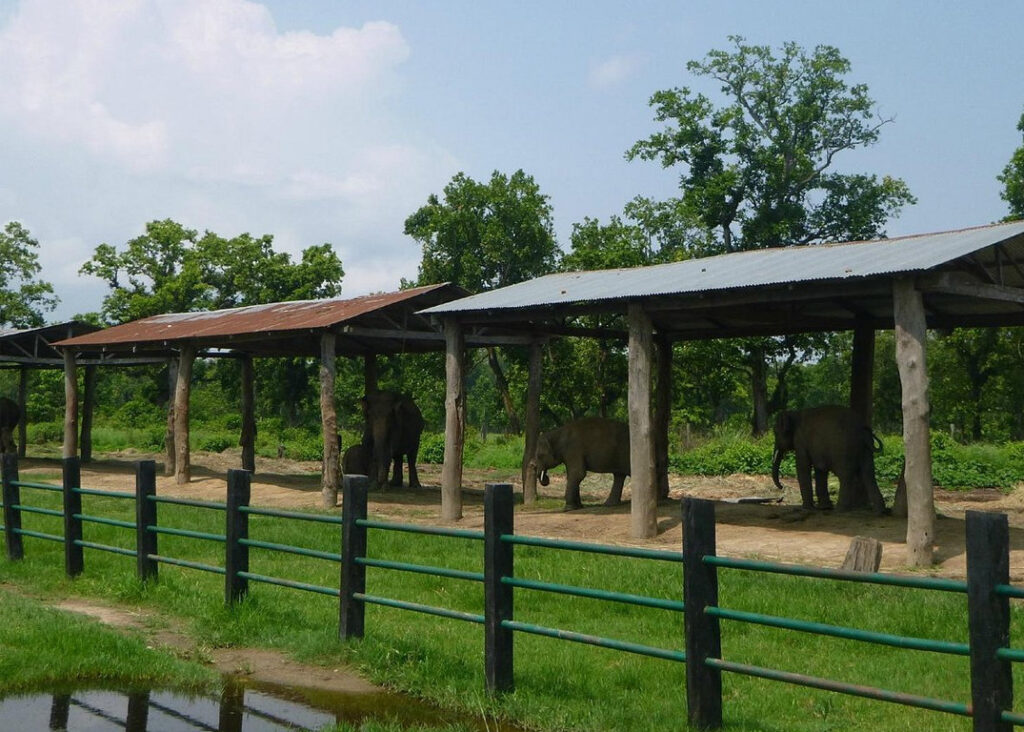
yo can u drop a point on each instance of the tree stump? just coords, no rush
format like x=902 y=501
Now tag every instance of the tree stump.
x=864 y=555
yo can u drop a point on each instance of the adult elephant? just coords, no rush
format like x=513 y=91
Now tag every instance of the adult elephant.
x=393 y=427
x=10 y=415
x=829 y=438
x=592 y=444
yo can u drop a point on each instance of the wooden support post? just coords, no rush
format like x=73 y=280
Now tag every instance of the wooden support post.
x=11 y=498
x=862 y=371
x=236 y=554
x=60 y=710
x=70 y=405
x=232 y=708
x=644 y=503
x=72 y=481
x=353 y=546
x=369 y=373
x=137 y=716
x=988 y=619
x=182 y=389
x=662 y=412
x=247 y=440
x=88 y=407
x=498 y=563
x=22 y=402
x=145 y=515
x=454 y=421
x=172 y=385
x=532 y=426
x=703 y=633
x=329 y=422
x=908 y=312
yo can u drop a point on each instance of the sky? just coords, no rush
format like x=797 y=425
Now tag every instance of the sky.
x=328 y=121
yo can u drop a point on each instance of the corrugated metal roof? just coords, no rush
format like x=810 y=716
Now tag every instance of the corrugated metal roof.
x=743 y=270
x=272 y=318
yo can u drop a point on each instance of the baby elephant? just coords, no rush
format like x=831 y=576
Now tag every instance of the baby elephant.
x=592 y=444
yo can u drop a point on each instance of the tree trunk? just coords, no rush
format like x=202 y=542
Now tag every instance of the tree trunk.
x=644 y=503
x=862 y=372
x=502 y=384
x=22 y=405
x=662 y=413
x=532 y=424
x=329 y=422
x=70 y=405
x=909 y=316
x=172 y=384
x=758 y=391
x=369 y=373
x=454 y=421
x=182 y=389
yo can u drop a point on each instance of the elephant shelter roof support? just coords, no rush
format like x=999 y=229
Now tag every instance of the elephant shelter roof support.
x=360 y=327
x=965 y=278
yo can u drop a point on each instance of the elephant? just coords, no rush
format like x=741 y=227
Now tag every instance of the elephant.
x=592 y=444
x=10 y=415
x=829 y=438
x=393 y=427
x=356 y=460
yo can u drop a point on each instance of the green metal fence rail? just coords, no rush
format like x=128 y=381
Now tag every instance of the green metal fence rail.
x=987 y=588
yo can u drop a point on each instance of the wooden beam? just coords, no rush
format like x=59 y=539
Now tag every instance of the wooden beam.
x=182 y=390
x=949 y=283
x=70 y=448
x=862 y=371
x=88 y=407
x=644 y=503
x=329 y=421
x=22 y=405
x=532 y=423
x=170 y=454
x=454 y=421
x=247 y=439
x=908 y=312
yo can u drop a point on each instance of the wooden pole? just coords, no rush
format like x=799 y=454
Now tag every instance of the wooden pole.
x=908 y=312
x=22 y=401
x=532 y=426
x=70 y=405
x=662 y=412
x=182 y=389
x=329 y=421
x=172 y=385
x=454 y=421
x=88 y=407
x=499 y=519
x=644 y=504
x=862 y=371
x=369 y=373
x=247 y=440
x=703 y=633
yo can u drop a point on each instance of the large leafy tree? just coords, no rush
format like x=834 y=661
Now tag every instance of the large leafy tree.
x=485 y=235
x=23 y=296
x=757 y=165
x=1012 y=179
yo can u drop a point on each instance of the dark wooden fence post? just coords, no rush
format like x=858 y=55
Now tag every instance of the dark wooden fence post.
x=988 y=618
x=498 y=556
x=12 y=497
x=145 y=515
x=236 y=555
x=74 y=562
x=703 y=636
x=353 y=546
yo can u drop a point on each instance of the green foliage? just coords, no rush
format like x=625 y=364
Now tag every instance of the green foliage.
x=432 y=448
x=730 y=451
x=1012 y=179
x=23 y=297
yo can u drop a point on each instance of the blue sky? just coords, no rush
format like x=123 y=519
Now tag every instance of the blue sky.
x=332 y=121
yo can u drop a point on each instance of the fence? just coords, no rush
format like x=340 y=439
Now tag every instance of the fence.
x=987 y=586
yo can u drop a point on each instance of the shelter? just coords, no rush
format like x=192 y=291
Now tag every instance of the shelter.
x=364 y=327
x=965 y=278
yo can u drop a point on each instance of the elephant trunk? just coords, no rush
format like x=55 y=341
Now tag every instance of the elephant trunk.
x=544 y=480
x=776 y=462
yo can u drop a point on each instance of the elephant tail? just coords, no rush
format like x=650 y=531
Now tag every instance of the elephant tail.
x=878 y=447
x=776 y=461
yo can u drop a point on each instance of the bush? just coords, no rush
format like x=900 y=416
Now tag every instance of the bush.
x=431 y=448
x=730 y=452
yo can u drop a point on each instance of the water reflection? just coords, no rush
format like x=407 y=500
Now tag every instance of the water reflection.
x=239 y=709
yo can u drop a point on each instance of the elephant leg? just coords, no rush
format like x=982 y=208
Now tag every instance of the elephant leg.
x=821 y=488
x=615 y=495
x=803 y=476
x=870 y=485
x=414 y=476
x=572 y=490
x=848 y=484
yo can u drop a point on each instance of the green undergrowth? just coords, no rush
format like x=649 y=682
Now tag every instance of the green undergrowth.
x=559 y=684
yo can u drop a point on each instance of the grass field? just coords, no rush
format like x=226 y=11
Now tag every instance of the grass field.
x=559 y=685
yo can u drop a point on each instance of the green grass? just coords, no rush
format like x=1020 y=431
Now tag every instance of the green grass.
x=559 y=685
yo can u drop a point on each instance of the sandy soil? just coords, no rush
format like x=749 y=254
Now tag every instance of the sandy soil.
x=772 y=531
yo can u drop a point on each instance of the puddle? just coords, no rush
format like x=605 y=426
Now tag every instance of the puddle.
x=261 y=708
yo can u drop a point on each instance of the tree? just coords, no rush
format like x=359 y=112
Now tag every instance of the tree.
x=23 y=297
x=1012 y=179
x=483 y=236
x=757 y=171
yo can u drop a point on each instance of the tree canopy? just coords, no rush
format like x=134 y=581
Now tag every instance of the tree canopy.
x=23 y=296
x=1012 y=179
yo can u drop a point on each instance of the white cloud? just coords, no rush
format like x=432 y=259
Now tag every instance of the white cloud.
x=613 y=71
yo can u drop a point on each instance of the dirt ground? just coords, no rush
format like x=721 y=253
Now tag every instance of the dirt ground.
x=771 y=531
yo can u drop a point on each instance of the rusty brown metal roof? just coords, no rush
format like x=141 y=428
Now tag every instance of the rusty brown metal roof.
x=379 y=323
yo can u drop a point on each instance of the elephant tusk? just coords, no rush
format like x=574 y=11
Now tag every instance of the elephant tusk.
x=544 y=480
